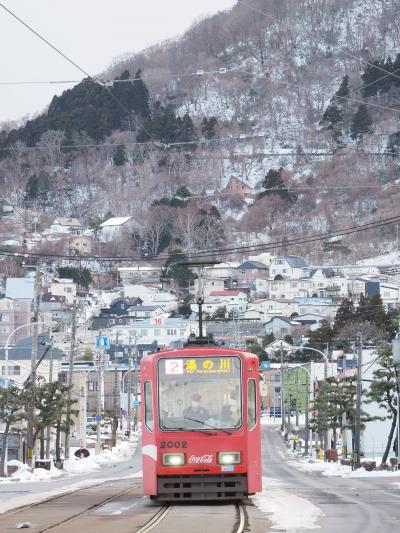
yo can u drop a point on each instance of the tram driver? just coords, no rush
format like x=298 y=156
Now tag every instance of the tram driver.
x=195 y=411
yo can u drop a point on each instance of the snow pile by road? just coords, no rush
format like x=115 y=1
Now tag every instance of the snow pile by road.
x=24 y=473
x=287 y=511
x=123 y=451
x=337 y=469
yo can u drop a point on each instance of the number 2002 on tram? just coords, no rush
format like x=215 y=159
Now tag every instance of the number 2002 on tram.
x=200 y=424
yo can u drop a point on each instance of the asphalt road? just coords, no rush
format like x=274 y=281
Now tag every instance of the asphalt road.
x=359 y=505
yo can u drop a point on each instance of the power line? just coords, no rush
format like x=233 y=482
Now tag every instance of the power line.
x=268 y=15
x=93 y=78
x=218 y=251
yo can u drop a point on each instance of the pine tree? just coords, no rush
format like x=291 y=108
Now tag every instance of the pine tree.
x=362 y=122
x=274 y=184
x=119 y=157
x=208 y=126
x=141 y=96
x=343 y=90
x=370 y=77
x=396 y=71
x=186 y=130
x=383 y=391
x=344 y=315
x=332 y=116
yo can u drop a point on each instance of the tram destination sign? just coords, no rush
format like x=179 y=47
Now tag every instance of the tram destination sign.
x=202 y=365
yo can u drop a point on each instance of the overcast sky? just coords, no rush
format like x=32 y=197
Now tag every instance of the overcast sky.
x=91 y=32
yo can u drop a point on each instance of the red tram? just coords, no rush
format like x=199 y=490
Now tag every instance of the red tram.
x=200 y=424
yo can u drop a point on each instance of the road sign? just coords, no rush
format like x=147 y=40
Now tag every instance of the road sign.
x=265 y=365
x=102 y=341
x=99 y=418
x=135 y=403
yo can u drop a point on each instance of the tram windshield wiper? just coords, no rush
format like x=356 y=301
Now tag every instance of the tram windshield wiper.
x=198 y=430
x=208 y=425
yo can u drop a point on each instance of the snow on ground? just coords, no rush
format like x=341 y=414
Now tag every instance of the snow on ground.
x=287 y=511
x=123 y=451
x=74 y=466
x=337 y=469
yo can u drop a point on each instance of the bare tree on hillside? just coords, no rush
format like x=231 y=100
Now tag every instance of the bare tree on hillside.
x=50 y=142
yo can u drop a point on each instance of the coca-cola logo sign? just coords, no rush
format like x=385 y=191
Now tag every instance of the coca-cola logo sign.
x=200 y=459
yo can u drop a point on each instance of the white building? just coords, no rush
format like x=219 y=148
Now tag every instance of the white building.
x=289 y=266
x=66 y=226
x=165 y=331
x=139 y=272
x=116 y=226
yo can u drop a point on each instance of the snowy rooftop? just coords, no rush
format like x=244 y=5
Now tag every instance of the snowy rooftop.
x=115 y=221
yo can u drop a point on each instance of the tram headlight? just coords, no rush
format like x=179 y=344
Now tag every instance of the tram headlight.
x=229 y=458
x=173 y=459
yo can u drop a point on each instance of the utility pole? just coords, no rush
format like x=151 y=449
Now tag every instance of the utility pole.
x=35 y=336
x=70 y=379
x=357 y=436
x=282 y=391
x=98 y=396
x=135 y=389
x=297 y=397
x=129 y=386
x=115 y=420
x=48 y=429
x=307 y=424
x=327 y=432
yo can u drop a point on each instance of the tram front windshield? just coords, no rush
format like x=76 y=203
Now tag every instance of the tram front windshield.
x=200 y=393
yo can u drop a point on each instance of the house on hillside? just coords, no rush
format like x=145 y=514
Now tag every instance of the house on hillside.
x=20 y=288
x=56 y=306
x=14 y=313
x=64 y=287
x=248 y=271
x=19 y=358
x=289 y=266
x=280 y=326
x=238 y=187
x=116 y=226
x=66 y=226
x=138 y=273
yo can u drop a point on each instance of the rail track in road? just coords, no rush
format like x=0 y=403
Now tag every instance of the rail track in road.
x=119 y=505
x=177 y=517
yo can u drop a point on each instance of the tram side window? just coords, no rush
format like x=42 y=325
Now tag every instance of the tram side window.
x=148 y=406
x=251 y=403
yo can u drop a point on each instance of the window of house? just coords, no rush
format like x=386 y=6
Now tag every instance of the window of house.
x=67 y=289
x=90 y=386
x=157 y=332
x=144 y=333
x=13 y=370
x=122 y=306
x=147 y=314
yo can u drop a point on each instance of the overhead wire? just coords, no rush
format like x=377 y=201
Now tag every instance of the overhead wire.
x=81 y=69
x=281 y=23
x=213 y=252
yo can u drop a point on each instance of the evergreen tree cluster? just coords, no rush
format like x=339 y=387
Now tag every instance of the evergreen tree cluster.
x=166 y=127
x=380 y=76
x=273 y=184
x=335 y=115
x=88 y=107
x=179 y=199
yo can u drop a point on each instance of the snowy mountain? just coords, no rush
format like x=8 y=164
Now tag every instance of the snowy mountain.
x=240 y=94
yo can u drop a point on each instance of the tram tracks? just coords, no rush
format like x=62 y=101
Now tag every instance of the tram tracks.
x=77 y=510
x=164 y=515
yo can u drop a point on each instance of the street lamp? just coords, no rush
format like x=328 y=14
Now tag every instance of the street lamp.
x=6 y=345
